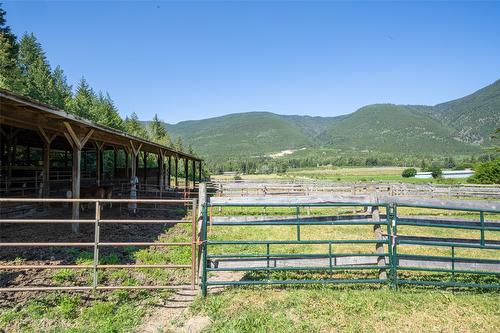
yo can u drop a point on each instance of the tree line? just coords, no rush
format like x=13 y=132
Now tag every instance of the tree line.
x=25 y=69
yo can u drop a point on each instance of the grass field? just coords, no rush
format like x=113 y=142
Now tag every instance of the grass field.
x=367 y=308
x=345 y=175
x=309 y=308
x=330 y=309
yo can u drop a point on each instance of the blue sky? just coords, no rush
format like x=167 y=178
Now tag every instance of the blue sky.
x=192 y=60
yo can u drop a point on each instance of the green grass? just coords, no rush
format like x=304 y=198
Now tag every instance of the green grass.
x=349 y=309
x=118 y=311
x=60 y=312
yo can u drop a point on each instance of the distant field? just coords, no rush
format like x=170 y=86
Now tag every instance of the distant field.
x=377 y=174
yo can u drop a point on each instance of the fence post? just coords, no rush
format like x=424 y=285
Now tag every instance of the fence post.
x=193 y=244
x=96 y=243
x=204 y=253
x=202 y=200
x=379 y=247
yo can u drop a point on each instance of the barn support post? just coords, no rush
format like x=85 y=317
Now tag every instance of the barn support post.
x=47 y=140
x=77 y=144
x=127 y=155
x=169 y=171
x=114 y=163
x=145 y=167
x=186 y=174
x=176 y=172
x=75 y=215
x=161 y=176
x=193 y=175
x=98 y=158
x=133 y=177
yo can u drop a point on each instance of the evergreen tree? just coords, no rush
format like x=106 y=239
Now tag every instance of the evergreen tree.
x=178 y=144
x=105 y=112
x=158 y=132
x=62 y=90
x=37 y=80
x=134 y=127
x=83 y=101
x=10 y=76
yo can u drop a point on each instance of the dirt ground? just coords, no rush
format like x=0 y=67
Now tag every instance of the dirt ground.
x=47 y=232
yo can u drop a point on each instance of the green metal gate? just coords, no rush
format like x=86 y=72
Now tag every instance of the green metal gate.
x=432 y=260
x=272 y=258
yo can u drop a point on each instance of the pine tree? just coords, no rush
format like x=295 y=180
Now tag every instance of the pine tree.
x=105 y=112
x=10 y=76
x=134 y=127
x=158 y=132
x=62 y=90
x=82 y=103
x=37 y=80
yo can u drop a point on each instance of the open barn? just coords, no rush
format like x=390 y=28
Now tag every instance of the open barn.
x=49 y=153
x=72 y=189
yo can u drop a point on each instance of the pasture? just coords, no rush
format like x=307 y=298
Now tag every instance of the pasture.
x=344 y=175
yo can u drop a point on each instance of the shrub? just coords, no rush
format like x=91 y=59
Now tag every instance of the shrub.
x=486 y=173
x=435 y=171
x=409 y=172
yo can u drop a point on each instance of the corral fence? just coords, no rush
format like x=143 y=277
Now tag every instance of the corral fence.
x=297 y=188
x=97 y=244
x=398 y=247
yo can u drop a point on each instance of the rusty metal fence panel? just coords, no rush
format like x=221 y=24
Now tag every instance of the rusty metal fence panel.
x=97 y=244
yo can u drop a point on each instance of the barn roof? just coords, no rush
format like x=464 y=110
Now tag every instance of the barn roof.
x=23 y=112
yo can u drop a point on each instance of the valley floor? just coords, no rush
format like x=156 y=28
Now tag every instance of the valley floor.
x=344 y=175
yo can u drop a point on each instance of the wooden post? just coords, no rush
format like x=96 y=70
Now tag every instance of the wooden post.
x=193 y=176
x=135 y=158
x=47 y=140
x=186 y=173
x=169 y=171
x=161 y=176
x=379 y=247
x=77 y=154
x=176 y=172
x=98 y=162
x=145 y=168
x=127 y=155
x=114 y=163
x=77 y=144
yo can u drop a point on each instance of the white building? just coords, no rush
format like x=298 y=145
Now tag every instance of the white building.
x=448 y=174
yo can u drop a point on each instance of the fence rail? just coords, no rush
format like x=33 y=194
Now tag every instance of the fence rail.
x=97 y=244
x=276 y=188
x=387 y=257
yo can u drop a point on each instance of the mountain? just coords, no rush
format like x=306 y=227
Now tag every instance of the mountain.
x=393 y=128
x=474 y=117
x=461 y=126
x=253 y=133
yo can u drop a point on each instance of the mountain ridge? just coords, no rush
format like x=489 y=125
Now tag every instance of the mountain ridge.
x=459 y=126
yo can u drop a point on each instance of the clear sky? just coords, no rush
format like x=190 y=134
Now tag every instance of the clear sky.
x=192 y=60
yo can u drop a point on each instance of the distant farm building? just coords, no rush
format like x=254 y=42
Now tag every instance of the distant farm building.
x=447 y=174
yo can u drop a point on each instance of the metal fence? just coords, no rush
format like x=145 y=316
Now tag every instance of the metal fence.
x=446 y=269
x=97 y=244
x=385 y=259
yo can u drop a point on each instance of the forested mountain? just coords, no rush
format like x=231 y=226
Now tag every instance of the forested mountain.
x=460 y=126
x=251 y=133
